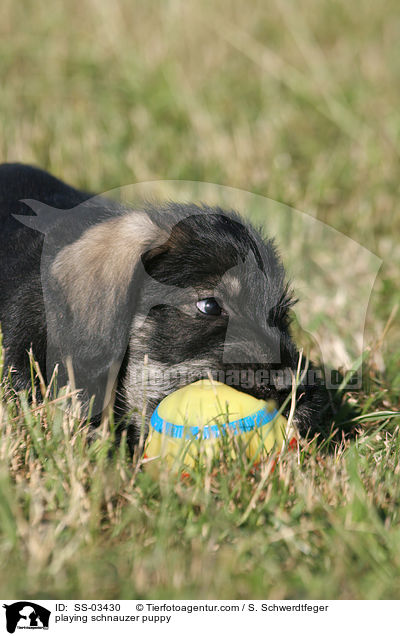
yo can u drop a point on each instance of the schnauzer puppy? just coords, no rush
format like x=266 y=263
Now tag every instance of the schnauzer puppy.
x=136 y=303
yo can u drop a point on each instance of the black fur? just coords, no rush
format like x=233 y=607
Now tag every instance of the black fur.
x=204 y=252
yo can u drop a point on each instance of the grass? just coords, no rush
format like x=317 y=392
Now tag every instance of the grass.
x=298 y=104
x=79 y=520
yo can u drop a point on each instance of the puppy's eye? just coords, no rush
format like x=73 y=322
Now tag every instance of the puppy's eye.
x=209 y=306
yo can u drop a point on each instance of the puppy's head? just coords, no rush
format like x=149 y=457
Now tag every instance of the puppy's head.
x=215 y=302
x=158 y=299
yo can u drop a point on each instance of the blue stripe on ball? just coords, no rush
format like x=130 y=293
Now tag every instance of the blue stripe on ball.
x=244 y=425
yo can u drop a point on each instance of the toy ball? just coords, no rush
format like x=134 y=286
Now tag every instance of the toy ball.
x=196 y=421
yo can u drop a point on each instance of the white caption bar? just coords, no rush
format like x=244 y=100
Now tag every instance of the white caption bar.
x=197 y=617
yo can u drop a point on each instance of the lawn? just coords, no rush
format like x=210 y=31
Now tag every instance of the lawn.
x=292 y=109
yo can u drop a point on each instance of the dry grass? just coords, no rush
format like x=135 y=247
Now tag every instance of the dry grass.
x=78 y=520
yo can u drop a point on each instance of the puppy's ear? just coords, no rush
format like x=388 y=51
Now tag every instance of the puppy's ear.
x=92 y=294
x=96 y=271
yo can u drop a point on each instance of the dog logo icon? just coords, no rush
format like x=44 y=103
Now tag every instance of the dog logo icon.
x=26 y=615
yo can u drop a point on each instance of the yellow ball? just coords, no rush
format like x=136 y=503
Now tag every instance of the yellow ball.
x=192 y=423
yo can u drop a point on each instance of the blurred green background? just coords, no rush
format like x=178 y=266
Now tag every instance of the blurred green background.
x=299 y=103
